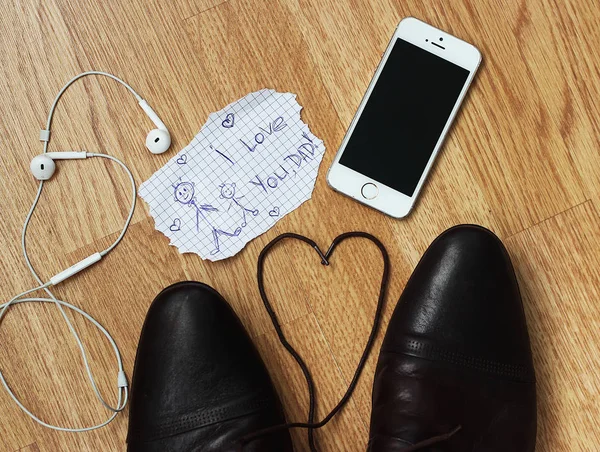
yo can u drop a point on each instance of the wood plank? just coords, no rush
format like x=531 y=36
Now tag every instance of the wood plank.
x=239 y=59
x=511 y=142
x=524 y=149
x=347 y=431
x=560 y=290
x=47 y=374
x=190 y=8
x=226 y=40
x=34 y=41
x=31 y=448
x=567 y=45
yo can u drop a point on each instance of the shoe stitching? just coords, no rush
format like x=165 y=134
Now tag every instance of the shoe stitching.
x=198 y=420
x=206 y=418
x=433 y=352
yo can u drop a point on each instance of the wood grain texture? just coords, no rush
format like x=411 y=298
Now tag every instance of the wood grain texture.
x=560 y=286
x=190 y=8
x=524 y=157
x=30 y=448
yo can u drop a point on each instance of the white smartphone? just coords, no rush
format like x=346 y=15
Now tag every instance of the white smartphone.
x=403 y=118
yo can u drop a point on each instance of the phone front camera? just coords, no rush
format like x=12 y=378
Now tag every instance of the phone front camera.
x=441 y=39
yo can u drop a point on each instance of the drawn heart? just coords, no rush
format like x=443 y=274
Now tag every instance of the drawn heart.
x=176 y=226
x=228 y=121
x=274 y=212
x=182 y=160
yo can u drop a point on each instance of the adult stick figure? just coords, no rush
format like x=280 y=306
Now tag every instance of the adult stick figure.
x=184 y=194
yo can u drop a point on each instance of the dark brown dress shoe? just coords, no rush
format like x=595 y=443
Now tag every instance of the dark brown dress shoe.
x=455 y=372
x=199 y=384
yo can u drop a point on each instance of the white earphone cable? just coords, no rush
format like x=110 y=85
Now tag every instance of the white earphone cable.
x=123 y=392
x=73 y=80
x=123 y=395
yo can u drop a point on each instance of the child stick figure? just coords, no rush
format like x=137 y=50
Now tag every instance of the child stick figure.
x=228 y=192
x=184 y=194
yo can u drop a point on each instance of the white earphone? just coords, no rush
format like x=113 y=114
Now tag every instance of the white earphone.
x=43 y=167
x=157 y=141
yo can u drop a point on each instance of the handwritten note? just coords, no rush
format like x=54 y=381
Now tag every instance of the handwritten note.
x=252 y=163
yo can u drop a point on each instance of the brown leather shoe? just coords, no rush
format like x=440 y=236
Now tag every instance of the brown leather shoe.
x=455 y=373
x=199 y=384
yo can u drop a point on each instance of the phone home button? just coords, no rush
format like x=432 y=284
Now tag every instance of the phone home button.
x=369 y=191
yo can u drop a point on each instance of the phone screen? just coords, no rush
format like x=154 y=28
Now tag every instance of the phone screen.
x=404 y=117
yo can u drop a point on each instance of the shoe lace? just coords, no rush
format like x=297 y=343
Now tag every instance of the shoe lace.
x=311 y=425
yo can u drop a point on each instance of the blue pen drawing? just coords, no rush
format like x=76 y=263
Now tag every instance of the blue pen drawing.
x=184 y=194
x=302 y=155
x=176 y=225
x=222 y=154
x=251 y=164
x=229 y=121
x=277 y=125
x=228 y=192
x=307 y=137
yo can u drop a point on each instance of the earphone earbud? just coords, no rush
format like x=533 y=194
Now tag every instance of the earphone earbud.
x=42 y=167
x=159 y=139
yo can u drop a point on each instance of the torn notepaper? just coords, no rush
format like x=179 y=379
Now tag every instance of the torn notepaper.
x=251 y=163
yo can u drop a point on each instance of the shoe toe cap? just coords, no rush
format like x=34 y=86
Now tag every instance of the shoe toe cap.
x=196 y=366
x=463 y=297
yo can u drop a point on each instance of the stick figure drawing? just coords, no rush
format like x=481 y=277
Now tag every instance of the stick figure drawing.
x=228 y=192
x=185 y=194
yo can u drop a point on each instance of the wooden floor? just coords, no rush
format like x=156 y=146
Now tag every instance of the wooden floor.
x=523 y=159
